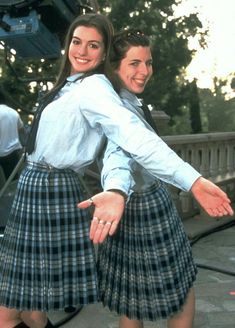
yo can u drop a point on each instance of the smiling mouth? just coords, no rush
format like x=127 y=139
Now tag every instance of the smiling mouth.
x=140 y=82
x=82 y=61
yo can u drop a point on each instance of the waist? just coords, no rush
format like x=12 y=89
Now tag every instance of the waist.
x=149 y=189
x=46 y=167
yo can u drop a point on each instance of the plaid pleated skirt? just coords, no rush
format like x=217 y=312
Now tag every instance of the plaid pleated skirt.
x=47 y=259
x=146 y=269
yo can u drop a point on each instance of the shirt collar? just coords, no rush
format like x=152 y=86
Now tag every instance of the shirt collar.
x=74 y=77
x=131 y=97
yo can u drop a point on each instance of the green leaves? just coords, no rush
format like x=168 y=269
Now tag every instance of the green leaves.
x=171 y=55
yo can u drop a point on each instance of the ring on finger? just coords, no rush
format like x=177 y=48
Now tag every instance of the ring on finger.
x=115 y=222
x=95 y=219
x=101 y=222
x=108 y=223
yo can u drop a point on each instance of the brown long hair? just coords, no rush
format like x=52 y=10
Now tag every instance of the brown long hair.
x=102 y=24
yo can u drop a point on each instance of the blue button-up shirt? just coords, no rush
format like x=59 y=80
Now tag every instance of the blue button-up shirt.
x=73 y=127
x=143 y=178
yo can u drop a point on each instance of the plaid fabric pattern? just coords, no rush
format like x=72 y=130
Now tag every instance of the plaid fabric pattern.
x=146 y=269
x=47 y=258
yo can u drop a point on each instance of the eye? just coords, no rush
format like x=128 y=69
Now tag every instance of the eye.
x=75 y=41
x=135 y=64
x=94 y=45
x=150 y=63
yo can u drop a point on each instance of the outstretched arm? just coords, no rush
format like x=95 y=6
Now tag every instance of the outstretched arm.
x=211 y=198
x=108 y=210
x=117 y=182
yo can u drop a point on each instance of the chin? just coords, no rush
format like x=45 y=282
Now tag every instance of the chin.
x=139 y=90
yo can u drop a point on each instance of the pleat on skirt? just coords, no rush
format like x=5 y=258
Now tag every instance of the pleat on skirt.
x=47 y=259
x=146 y=269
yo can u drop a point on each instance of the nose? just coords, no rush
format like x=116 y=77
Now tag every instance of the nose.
x=144 y=69
x=82 y=50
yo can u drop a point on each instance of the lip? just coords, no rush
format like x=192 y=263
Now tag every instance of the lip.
x=82 y=60
x=140 y=81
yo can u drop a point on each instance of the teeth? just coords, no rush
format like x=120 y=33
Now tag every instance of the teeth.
x=82 y=60
x=140 y=81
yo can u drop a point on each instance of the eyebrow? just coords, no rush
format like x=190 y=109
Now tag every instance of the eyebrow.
x=134 y=60
x=139 y=60
x=76 y=37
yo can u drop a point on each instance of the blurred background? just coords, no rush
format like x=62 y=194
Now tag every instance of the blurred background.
x=193 y=48
x=192 y=97
x=192 y=90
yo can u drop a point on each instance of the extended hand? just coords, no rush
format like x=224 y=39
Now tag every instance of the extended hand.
x=211 y=198
x=109 y=207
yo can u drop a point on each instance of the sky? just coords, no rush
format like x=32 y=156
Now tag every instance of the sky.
x=218 y=59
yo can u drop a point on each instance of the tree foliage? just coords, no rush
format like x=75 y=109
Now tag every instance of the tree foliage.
x=167 y=91
x=217 y=112
x=22 y=81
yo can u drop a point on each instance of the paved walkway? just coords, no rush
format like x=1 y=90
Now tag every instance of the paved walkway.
x=215 y=287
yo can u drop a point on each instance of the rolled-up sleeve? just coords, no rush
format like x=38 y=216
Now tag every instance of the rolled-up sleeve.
x=116 y=170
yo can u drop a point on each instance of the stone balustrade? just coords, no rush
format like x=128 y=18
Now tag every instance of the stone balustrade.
x=213 y=155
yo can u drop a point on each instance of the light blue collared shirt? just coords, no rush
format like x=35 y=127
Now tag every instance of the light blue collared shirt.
x=142 y=178
x=73 y=127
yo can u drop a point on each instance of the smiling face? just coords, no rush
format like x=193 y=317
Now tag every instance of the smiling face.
x=136 y=69
x=86 y=50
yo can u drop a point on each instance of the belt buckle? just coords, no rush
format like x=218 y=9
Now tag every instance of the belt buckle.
x=49 y=167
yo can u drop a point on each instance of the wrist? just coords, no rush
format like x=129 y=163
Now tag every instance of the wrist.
x=197 y=184
x=122 y=193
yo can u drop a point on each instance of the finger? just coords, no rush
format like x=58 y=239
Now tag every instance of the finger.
x=224 y=209
x=85 y=204
x=219 y=211
x=98 y=232
x=211 y=212
x=228 y=209
x=113 y=228
x=94 y=225
x=105 y=231
x=222 y=194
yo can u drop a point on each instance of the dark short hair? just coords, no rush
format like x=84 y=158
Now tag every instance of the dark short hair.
x=123 y=41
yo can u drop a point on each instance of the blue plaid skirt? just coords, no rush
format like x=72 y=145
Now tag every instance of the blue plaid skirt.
x=47 y=259
x=146 y=269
